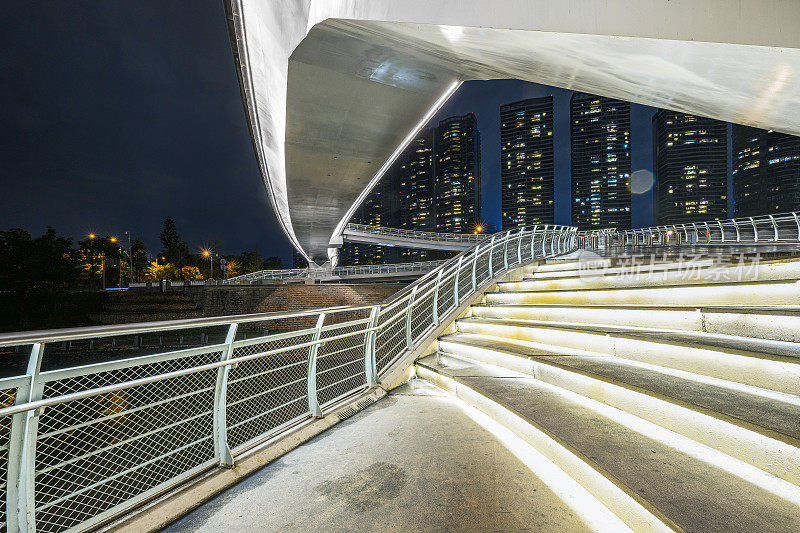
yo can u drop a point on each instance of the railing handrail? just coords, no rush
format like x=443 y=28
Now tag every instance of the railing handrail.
x=93 y=332
x=307 y=368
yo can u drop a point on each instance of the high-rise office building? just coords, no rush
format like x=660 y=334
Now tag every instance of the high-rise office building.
x=600 y=132
x=766 y=172
x=690 y=160
x=457 y=174
x=527 y=189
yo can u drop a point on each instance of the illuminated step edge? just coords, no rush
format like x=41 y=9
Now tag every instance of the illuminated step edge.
x=776 y=293
x=681 y=277
x=775 y=454
x=631 y=510
x=758 y=370
x=590 y=269
x=768 y=333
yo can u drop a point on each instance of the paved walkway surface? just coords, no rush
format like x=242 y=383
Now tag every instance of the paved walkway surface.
x=413 y=461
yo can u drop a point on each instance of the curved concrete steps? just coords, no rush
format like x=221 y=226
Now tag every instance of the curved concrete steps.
x=673 y=399
x=672 y=478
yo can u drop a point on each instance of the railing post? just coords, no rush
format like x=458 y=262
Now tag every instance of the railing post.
x=721 y=230
x=455 y=281
x=533 y=239
x=755 y=229
x=20 y=497
x=736 y=227
x=370 y=366
x=774 y=228
x=797 y=223
x=311 y=380
x=222 y=453
x=409 y=340
x=519 y=244
x=491 y=254
x=436 y=298
x=544 y=238
x=474 y=267
x=505 y=250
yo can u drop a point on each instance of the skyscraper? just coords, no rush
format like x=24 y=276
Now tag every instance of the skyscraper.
x=416 y=183
x=457 y=182
x=766 y=171
x=600 y=131
x=527 y=190
x=690 y=160
x=380 y=208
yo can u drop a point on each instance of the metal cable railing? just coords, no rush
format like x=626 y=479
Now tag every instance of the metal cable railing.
x=94 y=421
x=766 y=229
x=407 y=234
x=335 y=273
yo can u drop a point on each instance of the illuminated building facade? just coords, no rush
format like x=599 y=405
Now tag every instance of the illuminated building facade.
x=690 y=160
x=526 y=162
x=600 y=132
x=766 y=171
x=457 y=174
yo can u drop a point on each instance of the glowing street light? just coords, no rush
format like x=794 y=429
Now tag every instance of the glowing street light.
x=207 y=253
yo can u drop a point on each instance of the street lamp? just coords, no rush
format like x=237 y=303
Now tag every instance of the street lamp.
x=207 y=253
x=92 y=237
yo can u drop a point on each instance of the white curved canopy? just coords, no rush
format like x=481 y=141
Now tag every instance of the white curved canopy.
x=332 y=88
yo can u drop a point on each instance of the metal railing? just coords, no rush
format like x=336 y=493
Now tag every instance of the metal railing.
x=335 y=273
x=94 y=421
x=414 y=235
x=766 y=229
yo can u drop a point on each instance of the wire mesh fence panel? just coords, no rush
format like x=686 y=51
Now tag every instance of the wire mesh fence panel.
x=7 y=397
x=97 y=453
x=446 y=298
x=482 y=268
x=464 y=281
x=422 y=316
x=497 y=257
x=340 y=363
x=267 y=392
x=391 y=340
x=525 y=248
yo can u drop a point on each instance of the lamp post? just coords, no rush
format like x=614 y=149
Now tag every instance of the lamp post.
x=119 y=259
x=208 y=254
x=92 y=237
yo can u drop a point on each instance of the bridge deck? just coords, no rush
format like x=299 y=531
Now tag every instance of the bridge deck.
x=414 y=461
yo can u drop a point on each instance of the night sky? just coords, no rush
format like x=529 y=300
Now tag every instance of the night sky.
x=117 y=114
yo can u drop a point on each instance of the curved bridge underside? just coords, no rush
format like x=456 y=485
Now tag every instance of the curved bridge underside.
x=333 y=88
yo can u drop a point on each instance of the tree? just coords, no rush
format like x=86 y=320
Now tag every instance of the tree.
x=174 y=249
x=34 y=273
x=156 y=272
x=233 y=267
x=251 y=262
x=273 y=263
x=138 y=258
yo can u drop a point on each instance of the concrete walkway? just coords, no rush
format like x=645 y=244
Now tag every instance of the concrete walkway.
x=414 y=461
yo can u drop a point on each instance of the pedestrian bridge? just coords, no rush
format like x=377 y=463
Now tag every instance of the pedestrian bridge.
x=404 y=238
x=553 y=380
x=334 y=90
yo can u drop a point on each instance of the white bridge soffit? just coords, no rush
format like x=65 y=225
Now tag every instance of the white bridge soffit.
x=332 y=88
